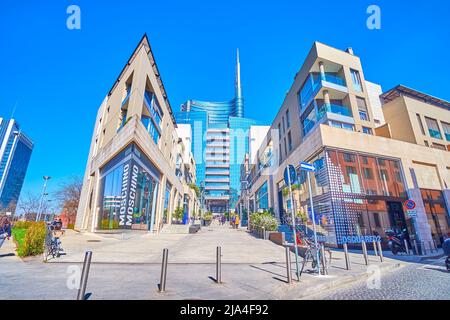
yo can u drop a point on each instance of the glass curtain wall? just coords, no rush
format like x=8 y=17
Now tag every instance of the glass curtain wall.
x=351 y=194
x=128 y=193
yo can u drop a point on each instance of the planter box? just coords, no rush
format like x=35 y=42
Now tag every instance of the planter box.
x=277 y=237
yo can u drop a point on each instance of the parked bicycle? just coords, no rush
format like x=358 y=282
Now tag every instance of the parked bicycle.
x=309 y=251
x=53 y=242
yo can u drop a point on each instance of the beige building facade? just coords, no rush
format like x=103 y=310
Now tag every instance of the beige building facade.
x=368 y=165
x=137 y=174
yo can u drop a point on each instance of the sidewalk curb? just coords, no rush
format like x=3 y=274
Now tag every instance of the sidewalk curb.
x=308 y=293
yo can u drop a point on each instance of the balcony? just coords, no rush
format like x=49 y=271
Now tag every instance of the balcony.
x=335 y=109
x=435 y=134
x=328 y=81
x=213 y=180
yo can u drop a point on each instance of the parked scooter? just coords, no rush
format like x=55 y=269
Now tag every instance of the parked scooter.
x=446 y=248
x=396 y=241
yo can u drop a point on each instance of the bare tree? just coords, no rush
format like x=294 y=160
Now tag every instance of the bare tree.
x=68 y=197
x=29 y=205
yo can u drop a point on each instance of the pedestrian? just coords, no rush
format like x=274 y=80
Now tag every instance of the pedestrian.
x=5 y=230
x=233 y=220
x=237 y=222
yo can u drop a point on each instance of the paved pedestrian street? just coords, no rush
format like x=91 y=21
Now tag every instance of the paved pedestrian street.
x=428 y=280
x=128 y=266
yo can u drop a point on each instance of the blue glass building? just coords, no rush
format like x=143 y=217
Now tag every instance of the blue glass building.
x=219 y=144
x=15 y=153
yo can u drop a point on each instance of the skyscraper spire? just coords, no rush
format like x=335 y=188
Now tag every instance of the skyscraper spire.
x=238 y=90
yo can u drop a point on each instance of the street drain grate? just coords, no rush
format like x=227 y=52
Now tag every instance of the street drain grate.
x=94 y=241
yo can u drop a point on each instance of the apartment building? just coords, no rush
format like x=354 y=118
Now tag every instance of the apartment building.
x=366 y=165
x=428 y=118
x=136 y=173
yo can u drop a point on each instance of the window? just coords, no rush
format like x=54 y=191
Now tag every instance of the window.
x=342 y=125
x=426 y=143
x=367 y=130
x=439 y=146
x=348 y=157
x=356 y=80
x=285 y=147
x=376 y=219
x=288 y=119
x=433 y=128
x=262 y=197
x=290 y=141
x=362 y=108
x=368 y=173
x=446 y=127
x=279 y=131
x=284 y=127
x=420 y=124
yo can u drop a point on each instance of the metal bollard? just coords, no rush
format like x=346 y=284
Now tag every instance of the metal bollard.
x=380 y=251
x=288 y=265
x=347 y=258
x=219 y=265
x=416 y=249
x=84 y=276
x=374 y=244
x=406 y=246
x=364 y=248
x=162 y=283
x=322 y=252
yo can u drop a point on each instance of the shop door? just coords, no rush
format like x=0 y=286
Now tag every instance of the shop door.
x=397 y=217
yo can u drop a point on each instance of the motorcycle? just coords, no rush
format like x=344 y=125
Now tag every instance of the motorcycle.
x=396 y=241
x=446 y=248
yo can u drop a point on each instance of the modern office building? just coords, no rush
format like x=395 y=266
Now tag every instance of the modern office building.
x=15 y=153
x=219 y=144
x=136 y=173
x=368 y=164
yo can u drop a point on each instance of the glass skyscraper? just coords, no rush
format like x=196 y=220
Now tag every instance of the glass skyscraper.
x=219 y=144
x=15 y=153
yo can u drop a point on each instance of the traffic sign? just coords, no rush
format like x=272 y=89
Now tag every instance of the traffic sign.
x=412 y=213
x=305 y=166
x=290 y=170
x=410 y=204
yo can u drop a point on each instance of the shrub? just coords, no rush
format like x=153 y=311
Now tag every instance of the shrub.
x=105 y=224
x=208 y=216
x=265 y=219
x=178 y=213
x=23 y=224
x=34 y=241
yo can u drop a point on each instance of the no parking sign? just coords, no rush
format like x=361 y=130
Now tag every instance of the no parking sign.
x=410 y=205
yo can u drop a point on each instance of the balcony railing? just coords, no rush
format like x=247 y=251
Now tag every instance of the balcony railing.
x=305 y=97
x=334 y=108
x=435 y=134
x=447 y=136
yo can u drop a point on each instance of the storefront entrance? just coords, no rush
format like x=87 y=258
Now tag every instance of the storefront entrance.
x=396 y=216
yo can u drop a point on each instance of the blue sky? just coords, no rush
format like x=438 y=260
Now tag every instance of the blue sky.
x=57 y=77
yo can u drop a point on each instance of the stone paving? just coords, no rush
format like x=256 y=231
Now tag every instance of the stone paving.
x=128 y=267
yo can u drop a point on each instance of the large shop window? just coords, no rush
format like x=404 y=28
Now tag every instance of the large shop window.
x=437 y=213
x=262 y=197
x=128 y=193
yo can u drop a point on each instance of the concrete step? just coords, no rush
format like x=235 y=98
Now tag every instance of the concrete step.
x=176 y=229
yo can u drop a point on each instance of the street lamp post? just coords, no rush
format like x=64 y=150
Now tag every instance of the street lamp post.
x=38 y=215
